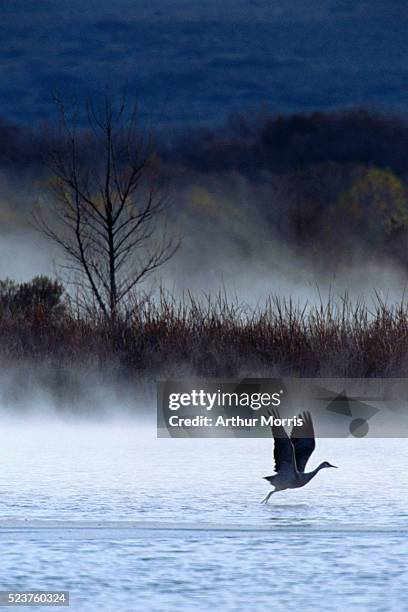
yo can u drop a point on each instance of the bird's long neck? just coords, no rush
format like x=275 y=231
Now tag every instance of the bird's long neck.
x=312 y=474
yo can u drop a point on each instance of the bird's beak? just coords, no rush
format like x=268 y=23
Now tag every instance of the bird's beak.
x=335 y=466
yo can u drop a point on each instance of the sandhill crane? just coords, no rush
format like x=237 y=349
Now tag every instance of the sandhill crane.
x=292 y=454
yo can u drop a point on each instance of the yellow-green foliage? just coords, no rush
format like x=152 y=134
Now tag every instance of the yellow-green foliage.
x=213 y=205
x=375 y=200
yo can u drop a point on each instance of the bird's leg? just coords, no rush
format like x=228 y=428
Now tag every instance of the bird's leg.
x=265 y=500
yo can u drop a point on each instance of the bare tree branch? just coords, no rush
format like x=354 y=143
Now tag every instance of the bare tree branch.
x=107 y=204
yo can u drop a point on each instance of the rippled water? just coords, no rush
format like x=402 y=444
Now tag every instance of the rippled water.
x=125 y=521
x=198 y=61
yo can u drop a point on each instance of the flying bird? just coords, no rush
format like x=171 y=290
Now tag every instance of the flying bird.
x=292 y=454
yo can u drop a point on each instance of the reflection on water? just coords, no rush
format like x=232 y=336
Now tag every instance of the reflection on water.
x=340 y=539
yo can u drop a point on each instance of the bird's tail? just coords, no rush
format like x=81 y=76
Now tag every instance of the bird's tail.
x=270 y=478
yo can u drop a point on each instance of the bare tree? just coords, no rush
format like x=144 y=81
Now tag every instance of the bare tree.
x=107 y=204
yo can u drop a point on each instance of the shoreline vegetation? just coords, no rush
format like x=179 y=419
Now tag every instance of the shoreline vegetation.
x=324 y=188
x=161 y=336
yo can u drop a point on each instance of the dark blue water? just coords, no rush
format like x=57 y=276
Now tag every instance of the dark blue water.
x=195 y=62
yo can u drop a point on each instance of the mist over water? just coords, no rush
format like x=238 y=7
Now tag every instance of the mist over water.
x=228 y=246
x=283 y=273
x=275 y=271
x=115 y=515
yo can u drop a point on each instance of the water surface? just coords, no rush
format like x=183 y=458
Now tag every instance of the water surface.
x=129 y=522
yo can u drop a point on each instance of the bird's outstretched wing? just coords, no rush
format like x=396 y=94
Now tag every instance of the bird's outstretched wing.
x=303 y=440
x=284 y=453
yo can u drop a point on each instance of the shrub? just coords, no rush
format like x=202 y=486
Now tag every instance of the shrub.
x=40 y=295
